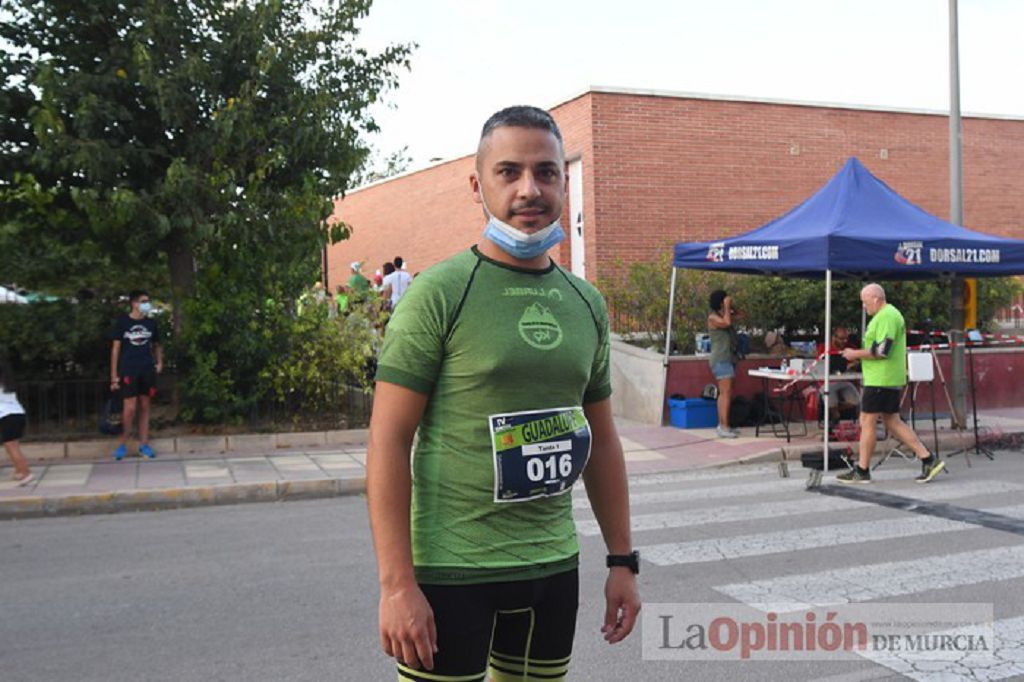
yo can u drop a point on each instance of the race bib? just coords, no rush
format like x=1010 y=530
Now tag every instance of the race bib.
x=539 y=453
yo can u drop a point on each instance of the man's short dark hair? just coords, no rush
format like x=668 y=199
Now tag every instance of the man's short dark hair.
x=398 y=262
x=136 y=294
x=522 y=116
x=716 y=299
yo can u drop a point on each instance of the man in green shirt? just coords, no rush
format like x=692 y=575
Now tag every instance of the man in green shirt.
x=884 y=365
x=358 y=284
x=500 y=359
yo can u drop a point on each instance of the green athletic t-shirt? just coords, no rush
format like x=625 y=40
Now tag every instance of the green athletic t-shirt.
x=358 y=283
x=483 y=338
x=889 y=372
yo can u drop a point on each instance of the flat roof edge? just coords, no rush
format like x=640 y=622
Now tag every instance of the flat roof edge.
x=676 y=94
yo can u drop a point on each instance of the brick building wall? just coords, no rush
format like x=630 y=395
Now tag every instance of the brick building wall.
x=429 y=215
x=664 y=168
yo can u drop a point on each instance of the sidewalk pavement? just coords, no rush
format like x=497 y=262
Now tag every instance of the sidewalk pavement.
x=200 y=479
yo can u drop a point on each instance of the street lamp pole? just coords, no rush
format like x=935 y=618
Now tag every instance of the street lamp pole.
x=956 y=210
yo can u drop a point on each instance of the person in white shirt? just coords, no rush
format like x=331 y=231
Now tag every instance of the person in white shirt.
x=12 y=426
x=396 y=283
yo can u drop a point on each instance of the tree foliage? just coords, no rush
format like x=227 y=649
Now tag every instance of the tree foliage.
x=192 y=147
x=150 y=129
x=377 y=167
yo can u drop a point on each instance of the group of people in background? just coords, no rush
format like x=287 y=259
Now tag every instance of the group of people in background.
x=389 y=282
x=883 y=362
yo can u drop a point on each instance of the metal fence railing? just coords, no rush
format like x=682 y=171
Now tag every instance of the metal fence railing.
x=63 y=407
x=74 y=408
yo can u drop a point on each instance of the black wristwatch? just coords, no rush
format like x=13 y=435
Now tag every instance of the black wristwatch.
x=630 y=561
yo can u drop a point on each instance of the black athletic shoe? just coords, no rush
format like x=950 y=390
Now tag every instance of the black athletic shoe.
x=930 y=468
x=855 y=475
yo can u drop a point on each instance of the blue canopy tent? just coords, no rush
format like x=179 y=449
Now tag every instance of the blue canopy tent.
x=854 y=227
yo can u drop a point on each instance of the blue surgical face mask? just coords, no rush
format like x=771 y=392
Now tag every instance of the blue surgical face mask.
x=146 y=308
x=517 y=243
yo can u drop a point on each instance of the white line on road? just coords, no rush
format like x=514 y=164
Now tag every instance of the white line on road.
x=779 y=485
x=804 y=505
x=879 y=581
x=780 y=542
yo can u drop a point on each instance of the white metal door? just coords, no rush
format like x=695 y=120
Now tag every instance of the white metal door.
x=576 y=217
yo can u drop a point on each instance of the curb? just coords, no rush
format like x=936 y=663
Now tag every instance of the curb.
x=178 y=498
x=46 y=452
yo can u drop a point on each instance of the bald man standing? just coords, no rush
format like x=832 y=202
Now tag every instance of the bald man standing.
x=884 y=362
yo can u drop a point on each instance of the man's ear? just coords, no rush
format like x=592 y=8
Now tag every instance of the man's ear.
x=474 y=185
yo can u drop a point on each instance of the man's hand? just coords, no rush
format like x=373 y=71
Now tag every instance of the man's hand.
x=159 y=367
x=622 y=604
x=851 y=354
x=115 y=384
x=407 y=630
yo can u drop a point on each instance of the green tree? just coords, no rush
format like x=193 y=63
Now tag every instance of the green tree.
x=375 y=167
x=145 y=134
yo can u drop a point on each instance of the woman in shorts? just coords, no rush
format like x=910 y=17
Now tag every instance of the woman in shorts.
x=12 y=426
x=724 y=355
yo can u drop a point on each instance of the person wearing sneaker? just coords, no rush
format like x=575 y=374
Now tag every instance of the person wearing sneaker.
x=724 y=355
x=136 y=357
x=884 y=362
x=12 y=426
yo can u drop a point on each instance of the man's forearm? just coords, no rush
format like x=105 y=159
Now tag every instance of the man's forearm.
x=605 y=479
x=113 y=361
x=388 y=492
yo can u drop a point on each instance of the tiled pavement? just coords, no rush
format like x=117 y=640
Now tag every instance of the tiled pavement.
x=196 y=479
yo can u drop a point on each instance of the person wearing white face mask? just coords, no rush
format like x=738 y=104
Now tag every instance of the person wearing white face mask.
x=499 y=358
x=136 y=357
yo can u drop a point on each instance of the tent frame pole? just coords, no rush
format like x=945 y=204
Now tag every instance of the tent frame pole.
x=828 y=367
x=668 y=325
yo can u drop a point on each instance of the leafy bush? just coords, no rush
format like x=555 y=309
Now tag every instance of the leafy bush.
x=324 y=358
x=58 y=338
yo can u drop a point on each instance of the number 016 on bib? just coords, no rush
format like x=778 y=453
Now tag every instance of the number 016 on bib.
x=539 y=453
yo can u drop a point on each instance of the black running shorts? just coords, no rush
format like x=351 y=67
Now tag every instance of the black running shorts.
x=519 y=631
x=12 y=427
x=878 y=400
x=134 y=385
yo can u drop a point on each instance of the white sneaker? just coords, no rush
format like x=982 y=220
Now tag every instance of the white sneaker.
x=724 y=433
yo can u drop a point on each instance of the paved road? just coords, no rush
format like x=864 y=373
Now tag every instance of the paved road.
x=288 y=591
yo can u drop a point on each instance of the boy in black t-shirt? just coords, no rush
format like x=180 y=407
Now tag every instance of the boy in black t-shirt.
x=135 y=359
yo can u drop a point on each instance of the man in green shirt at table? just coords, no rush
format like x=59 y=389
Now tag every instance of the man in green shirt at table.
x=884 y=362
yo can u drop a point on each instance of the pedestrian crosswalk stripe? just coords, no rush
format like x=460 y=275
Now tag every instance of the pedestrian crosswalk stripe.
x=1002 y=661
x=779 y=485
x=701 y=475
x=804 y=505
x=779 y=542
x=879 y=581
x=739 y=512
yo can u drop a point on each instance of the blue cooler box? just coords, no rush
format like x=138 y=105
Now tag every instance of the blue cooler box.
x=693 y=413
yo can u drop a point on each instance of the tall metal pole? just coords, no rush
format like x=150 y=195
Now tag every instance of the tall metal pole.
x=671 y=310
x=828 y=366
x=956 y=211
